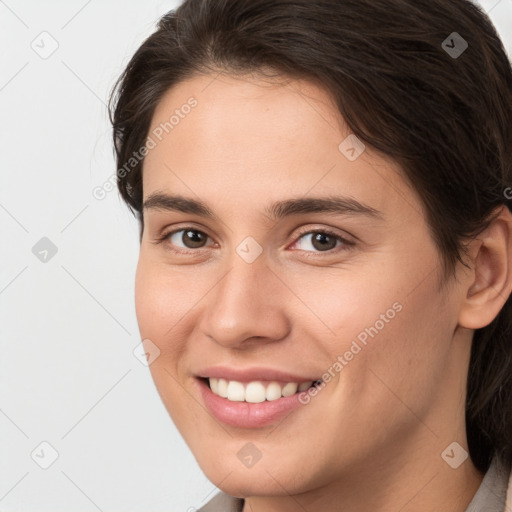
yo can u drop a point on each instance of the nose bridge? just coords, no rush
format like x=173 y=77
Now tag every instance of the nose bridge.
x=245 y=304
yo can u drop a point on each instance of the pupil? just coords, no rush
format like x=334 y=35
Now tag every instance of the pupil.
x=195 y=238
x=322 y=238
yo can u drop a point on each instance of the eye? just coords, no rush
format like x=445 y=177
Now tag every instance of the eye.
x=189 y=238
x=321 y=240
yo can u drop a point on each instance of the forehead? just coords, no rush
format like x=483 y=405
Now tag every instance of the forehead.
x=250 y=116
x=257 y=138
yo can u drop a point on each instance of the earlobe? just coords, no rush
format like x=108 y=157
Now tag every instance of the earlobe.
x=490 y=279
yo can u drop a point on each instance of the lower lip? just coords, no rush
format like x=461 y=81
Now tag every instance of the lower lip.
x=245 y=414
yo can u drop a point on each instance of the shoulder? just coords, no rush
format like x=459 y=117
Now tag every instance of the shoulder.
x=508 y=504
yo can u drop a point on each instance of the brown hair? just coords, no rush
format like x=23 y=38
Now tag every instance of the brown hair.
x=392 y=69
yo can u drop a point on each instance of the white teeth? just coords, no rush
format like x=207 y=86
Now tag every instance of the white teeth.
x=254 y=392
x=236 y=391
x=214 y=384
x=222 y=389
x=290 y=389
x=305 y=385
x=273 y=391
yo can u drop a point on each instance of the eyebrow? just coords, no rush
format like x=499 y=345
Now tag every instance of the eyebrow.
x=331 y=204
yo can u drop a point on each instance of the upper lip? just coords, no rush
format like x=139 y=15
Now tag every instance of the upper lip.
x=252 y=374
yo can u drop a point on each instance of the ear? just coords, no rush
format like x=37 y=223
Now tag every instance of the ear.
x=489 y=283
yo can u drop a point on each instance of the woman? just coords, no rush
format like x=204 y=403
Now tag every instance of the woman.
x=325 y=264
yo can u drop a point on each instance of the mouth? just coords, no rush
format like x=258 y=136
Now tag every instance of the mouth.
x=256 y=391
x=252 y=399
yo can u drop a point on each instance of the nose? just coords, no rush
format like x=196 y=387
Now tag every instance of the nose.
x=247 y=306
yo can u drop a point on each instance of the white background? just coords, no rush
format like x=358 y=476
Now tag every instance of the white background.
x=68 y=375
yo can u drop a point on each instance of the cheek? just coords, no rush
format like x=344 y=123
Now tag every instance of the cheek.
x=148 y=298
x=348 y=305
x=162 y=298
x=390 y=323
x=160 y=303
x=395 y=355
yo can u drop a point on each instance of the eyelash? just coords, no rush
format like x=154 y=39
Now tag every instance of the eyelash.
x=346 y=243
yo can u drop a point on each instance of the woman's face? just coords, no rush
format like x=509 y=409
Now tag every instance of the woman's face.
x=250 y=280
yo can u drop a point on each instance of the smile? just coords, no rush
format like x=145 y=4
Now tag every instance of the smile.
x=251 y=398
x=255 y=391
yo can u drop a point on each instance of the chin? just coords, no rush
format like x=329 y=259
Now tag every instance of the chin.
x=269 y=477
x=248 y=484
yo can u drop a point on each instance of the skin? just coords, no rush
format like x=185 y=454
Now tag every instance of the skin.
x=372 y=438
